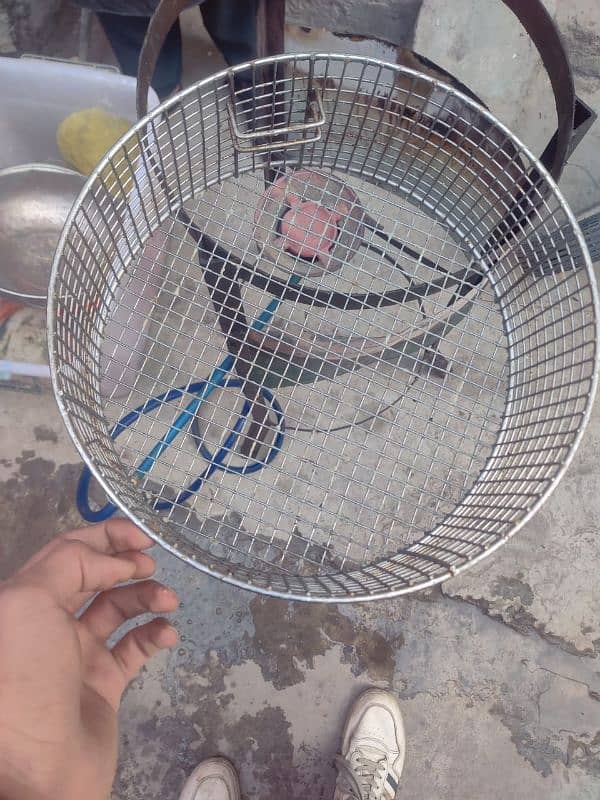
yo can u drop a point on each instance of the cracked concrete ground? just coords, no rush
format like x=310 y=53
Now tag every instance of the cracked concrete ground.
x=498 y=671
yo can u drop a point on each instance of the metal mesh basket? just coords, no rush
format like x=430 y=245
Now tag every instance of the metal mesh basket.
x=324 y=328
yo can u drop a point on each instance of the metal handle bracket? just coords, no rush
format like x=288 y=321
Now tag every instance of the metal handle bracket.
x=254 y=141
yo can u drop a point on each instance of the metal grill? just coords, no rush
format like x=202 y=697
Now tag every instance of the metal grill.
x=324 y=328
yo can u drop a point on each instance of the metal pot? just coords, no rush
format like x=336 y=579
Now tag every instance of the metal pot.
x=35 y=200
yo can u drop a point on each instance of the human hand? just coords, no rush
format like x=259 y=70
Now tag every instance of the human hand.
x=60 y=685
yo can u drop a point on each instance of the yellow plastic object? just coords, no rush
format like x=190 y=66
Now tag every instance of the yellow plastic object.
x=84 y=137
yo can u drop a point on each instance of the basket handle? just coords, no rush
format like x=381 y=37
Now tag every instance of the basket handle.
x=574 y=116
x=294 y=135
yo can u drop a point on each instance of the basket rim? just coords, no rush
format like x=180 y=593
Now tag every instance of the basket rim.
x=411 y=550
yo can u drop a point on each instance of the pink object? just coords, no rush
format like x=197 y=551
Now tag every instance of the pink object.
x=309 y=229
x=307 y=223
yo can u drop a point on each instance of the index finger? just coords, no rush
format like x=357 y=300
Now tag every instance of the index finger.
x=111 y=537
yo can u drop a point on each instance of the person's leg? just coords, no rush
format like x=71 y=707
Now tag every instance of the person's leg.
x=126 y=36
x=232 y=25
x=373 y=749
x=213 y=779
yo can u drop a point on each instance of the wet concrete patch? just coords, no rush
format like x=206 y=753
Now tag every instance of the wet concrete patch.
x=513 y=589
x=37 y=502
x=171 y=731
x=547 y=751
x=288 y=636
x=542 y=758
x=266 y=736
x=585 y=752
x=43 y=433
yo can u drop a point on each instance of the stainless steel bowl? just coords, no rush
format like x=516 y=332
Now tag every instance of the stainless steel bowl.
x=35 y=200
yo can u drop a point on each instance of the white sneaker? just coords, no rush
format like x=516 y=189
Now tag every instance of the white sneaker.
x=373 y=749
x=213 y=779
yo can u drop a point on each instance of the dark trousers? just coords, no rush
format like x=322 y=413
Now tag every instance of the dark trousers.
x=231 y=23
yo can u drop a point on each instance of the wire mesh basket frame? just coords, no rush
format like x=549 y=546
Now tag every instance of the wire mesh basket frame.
x=420 y=565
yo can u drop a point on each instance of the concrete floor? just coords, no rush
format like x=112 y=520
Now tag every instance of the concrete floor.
x=498 y=671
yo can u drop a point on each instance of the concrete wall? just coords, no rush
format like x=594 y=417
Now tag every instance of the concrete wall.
x=494 y=57
x=482 y=44
x=25 y=24
x=391 y=20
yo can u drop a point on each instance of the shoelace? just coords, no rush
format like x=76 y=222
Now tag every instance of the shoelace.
x=360 y=778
